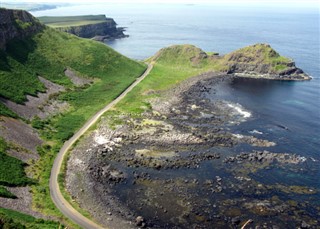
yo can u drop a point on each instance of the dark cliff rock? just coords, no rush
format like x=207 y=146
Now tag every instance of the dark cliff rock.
x=17 y=24
x=99 y=31
x=261 y=61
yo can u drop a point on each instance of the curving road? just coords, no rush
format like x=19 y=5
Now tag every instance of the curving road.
x=55 y=192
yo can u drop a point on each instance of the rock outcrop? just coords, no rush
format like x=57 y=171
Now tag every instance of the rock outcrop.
x=17 y=24
x=261 y=61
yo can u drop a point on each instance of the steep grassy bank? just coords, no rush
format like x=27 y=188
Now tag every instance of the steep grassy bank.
x=11 y=170
x=111 y=72
x=48 y=54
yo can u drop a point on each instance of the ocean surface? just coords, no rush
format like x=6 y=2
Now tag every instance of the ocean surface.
x=285 y=112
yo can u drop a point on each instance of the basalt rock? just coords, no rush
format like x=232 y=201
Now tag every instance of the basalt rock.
x=261 y=61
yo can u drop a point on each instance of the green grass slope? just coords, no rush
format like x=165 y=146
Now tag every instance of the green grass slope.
x=172 y=65
x=47 y=54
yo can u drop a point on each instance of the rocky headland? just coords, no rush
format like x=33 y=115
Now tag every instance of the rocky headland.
x=261 y=61
x=96 y=27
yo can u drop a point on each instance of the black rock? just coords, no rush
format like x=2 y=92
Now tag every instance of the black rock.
x=235 y=220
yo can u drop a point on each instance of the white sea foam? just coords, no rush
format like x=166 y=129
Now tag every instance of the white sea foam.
x=302 y=159
x=255 y=132
x=312 y=159
x=239 y=109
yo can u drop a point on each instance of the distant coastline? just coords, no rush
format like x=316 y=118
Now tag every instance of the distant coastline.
x=31 y=7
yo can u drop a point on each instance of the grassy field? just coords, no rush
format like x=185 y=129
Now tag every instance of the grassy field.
x=16 y=220
x=67 y=21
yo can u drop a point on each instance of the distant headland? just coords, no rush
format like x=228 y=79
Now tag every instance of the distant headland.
x=96 y=27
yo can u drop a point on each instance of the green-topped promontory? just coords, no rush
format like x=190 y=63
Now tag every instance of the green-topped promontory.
x=255 y=61
x=98 y=27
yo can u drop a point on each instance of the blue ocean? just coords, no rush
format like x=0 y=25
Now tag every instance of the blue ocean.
x=281 y=111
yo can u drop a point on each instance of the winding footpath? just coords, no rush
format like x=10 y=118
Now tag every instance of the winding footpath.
x=55 y=192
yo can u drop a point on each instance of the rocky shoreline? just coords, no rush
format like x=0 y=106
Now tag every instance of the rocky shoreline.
x=177 y=167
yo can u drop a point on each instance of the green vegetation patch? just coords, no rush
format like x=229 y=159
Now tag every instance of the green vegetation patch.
x=5 y=193
x=22 y=24
x=4 y=111
x=17 y=220
x=11 y=169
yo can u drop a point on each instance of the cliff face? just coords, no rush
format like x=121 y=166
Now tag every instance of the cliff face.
x=17 y=24
x=98 y=31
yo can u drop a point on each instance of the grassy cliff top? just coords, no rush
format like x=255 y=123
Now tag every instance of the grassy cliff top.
x=255 y=55
x=67 y=21
x=178 y=54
